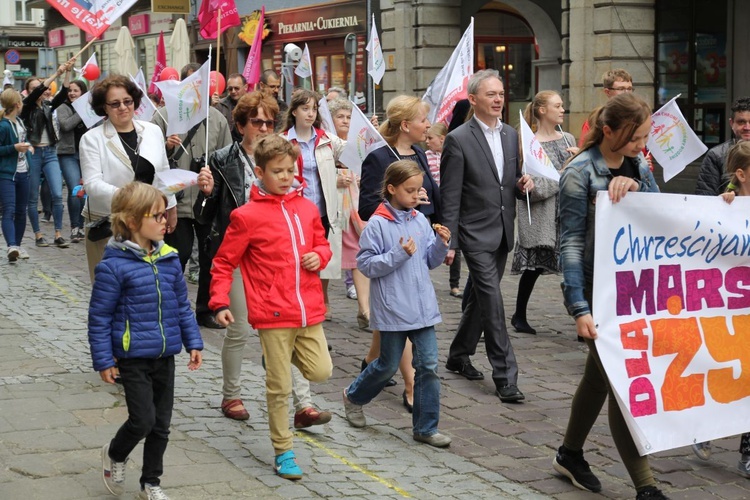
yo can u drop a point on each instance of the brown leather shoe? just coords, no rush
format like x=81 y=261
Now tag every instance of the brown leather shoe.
x=234 y=409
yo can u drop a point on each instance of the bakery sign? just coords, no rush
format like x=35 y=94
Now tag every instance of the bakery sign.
x=318 y=22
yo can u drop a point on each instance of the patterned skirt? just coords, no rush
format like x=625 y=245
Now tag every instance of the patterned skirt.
x=530 y=259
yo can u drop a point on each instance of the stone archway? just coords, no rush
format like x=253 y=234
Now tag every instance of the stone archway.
x=545 y=31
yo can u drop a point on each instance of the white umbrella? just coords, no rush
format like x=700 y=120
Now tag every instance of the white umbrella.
x=179 y=46
x=125 y=64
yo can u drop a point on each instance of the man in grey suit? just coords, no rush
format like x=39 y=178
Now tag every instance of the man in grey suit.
x=480 y=181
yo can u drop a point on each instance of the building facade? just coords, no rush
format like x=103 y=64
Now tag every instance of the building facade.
x=22 y=41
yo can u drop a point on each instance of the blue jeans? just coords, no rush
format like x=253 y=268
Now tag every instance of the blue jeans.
x=71 y=172
x=14 y=195
x=372 y=380
x=45 y=159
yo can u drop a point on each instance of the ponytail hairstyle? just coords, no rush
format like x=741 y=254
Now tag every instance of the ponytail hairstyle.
x=738 y=158
x=400 y=109
x=531 y=113
x=623 y=114
x=397 y=173
x=9 y=99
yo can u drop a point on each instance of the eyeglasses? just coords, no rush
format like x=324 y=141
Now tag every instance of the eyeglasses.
x=257 y=123
x=117 y=104
x=230 y=89
x=621 y=89
x=159 y=217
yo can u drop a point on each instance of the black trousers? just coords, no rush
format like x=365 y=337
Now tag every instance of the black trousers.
x=454 y=276
x=484 y=312
x=149 y=394
x=182 y=240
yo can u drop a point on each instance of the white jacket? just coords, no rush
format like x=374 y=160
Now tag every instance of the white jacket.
x=105 y=165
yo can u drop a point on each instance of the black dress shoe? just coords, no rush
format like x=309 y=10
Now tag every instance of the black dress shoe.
x=464 y=369
x=510 y=394
x=409 y=407
x=521 y=325
x=362 y=367
x=208 y=321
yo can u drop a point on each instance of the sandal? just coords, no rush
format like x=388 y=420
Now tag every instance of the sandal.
x=234 y=409
x=456 y=292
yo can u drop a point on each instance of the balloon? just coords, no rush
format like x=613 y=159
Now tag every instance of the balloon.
x=217 y=83
x=53 y=87
x=169 y=73
x=90 y=72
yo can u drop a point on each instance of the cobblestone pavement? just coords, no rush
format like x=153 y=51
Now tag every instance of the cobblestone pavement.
x=55 y=413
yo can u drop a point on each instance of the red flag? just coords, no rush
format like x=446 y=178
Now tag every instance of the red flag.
x=208 y=16
x=252 y=65
x=93 y=17
x=160 y=64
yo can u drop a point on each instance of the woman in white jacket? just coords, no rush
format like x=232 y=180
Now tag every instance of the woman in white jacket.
x=120 y=151
x=317 y=166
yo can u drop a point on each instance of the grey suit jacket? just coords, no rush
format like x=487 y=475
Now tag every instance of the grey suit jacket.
x=476 y=205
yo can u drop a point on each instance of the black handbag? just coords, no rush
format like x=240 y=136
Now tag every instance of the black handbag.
x=99 y=229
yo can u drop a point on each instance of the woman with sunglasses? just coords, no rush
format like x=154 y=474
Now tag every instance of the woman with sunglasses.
x=225 y=185
x=120 y=151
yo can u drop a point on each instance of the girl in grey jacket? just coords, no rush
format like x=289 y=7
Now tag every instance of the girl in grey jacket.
x=397 y=250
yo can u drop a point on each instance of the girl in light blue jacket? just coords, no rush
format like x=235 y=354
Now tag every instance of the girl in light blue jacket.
x=397 y=250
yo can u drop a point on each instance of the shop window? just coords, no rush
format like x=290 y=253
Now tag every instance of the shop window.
x=692 y=62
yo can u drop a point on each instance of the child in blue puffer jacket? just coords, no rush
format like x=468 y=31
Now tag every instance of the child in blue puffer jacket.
x=140 y=317
x=397 y=250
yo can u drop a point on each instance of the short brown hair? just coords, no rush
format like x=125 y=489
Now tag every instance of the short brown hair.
x=130 y=203
x=397 y=173
x=248 y=105
x=615 y=75
x=272 y=146
x=99 y=92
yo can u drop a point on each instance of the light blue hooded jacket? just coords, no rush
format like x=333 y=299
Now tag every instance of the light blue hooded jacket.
x=402 y=297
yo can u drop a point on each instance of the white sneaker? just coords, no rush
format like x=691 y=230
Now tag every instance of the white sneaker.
x=702 y=450
x=354 y=413
x=13 y=254
x=351 y=293
x=22 y=253
x=113 y=473
x=152 y=493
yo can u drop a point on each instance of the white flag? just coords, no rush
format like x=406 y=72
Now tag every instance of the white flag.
x=535 y=159
x=146 y=110
x=450 y=85
x=375 y=61
x=82 y=105
x=672 y=142
x=304 y=67
x=363 y=137
x=186 y=101
x=325 y=116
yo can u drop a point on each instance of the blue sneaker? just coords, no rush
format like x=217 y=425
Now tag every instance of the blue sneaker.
x=286 y=466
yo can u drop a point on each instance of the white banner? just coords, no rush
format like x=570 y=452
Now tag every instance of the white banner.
x=535 y=159
x=672 y=142
x=375 y=61
x=187 y=101
x=146 y=110
x=326 y=119
x=304 y=67
x=82 y=105
x=671 y=305
x=363 y=137
x=450 y=85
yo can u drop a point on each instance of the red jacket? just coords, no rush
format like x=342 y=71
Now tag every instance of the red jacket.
x=267 y=238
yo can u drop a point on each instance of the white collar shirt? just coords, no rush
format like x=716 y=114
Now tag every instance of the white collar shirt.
x=494 y=139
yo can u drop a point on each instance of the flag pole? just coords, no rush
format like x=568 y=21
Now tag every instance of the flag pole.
x=208 y=108
x=85 y=47
x=218 y=47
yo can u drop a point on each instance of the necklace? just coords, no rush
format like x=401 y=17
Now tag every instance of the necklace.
x=125 y=143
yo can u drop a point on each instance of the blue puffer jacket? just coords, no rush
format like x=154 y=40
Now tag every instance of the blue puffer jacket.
x=139 y=306
x=402 y=297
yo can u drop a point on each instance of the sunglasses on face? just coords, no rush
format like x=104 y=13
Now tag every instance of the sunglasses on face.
x=258 y=123
x=234 y=89
x=117 y=104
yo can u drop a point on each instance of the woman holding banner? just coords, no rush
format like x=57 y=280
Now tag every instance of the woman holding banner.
x=72 y=129
x=537 y=250
x=118 y=152
x=610 y=160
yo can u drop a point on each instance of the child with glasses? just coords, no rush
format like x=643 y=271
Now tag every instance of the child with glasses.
x=140 y=317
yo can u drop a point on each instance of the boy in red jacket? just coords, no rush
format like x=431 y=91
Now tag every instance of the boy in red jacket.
x=279 y=243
